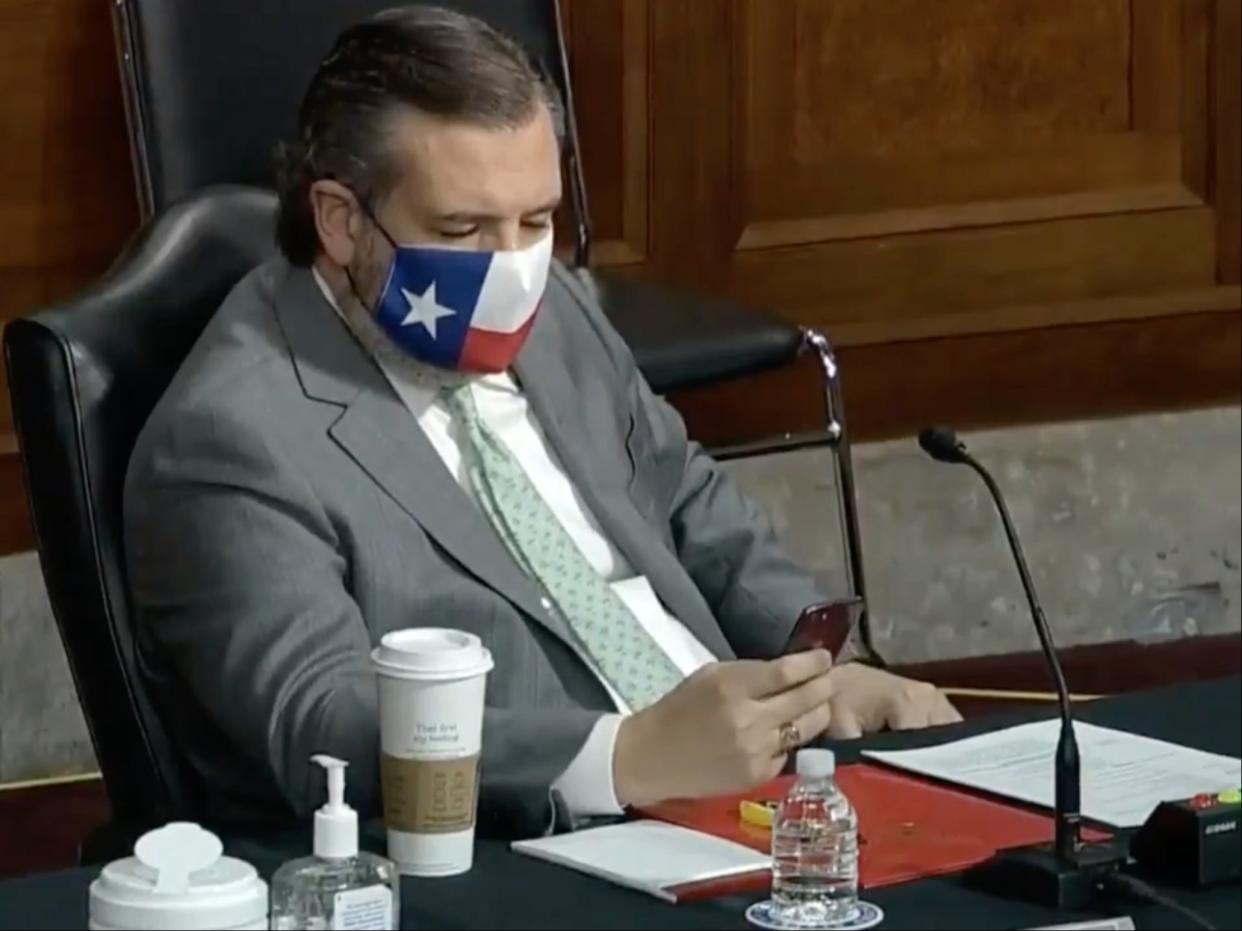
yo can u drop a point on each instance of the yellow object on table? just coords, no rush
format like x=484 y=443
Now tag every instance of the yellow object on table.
x=1014 y=695
x=759 y=814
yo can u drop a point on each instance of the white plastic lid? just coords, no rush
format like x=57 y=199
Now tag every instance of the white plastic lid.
x=431 y=653
x=816 y=764
x=336 y=824
x=178 y=879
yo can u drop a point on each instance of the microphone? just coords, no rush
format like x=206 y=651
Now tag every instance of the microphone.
x=943 y=445
x=1066 y=874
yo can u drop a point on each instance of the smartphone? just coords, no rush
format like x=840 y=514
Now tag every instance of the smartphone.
x=826 y=626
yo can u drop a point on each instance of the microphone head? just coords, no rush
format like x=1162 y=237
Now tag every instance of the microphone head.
x=942 y=444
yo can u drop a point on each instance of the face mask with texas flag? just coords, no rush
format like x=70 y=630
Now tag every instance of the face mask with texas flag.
x=463 y=310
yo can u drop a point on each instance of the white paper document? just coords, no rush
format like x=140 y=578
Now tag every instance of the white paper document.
x=647 y=855
x=1124 y=776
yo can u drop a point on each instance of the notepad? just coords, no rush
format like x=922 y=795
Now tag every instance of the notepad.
x=650 y=856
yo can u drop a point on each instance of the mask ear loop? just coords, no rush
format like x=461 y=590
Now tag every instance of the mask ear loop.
x=370 y=215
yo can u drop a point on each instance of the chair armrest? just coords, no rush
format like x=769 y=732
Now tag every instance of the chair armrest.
x=681 y=340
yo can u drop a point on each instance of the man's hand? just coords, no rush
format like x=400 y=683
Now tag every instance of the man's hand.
x=865 y=699
x=720 y=730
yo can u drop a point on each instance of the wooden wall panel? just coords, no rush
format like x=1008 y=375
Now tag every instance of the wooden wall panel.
x=608 y=55
x=984 y=98
x=15 y=533
x=969 y=172
x=881 y=285
x=695 y=206
x=1006 y=101
x=1034 y=375
x=865 y=122
x=66 y=189
x=1227 y=153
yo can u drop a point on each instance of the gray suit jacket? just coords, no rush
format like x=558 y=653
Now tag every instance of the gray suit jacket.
x=283 y=511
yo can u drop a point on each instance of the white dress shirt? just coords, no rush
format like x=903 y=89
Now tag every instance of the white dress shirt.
x=586 y=784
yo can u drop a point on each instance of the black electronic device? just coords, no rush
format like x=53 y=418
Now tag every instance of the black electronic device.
x=1194 y=841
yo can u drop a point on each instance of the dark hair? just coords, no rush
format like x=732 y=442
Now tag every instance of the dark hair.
x=436 y=60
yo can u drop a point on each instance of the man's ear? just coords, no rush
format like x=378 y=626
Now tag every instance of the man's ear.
x=336 y=220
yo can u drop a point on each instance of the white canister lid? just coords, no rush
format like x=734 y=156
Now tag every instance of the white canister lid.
x=178 y=879
x=431 y=653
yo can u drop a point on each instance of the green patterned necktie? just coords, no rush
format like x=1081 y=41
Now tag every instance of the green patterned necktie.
x=625 y=653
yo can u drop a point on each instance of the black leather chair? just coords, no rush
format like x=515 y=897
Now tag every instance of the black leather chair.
x=83 y=377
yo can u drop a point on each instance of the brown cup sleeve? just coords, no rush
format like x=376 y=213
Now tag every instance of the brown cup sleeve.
x=429 y=796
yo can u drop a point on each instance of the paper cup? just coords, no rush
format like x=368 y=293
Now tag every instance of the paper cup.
x=431 y=686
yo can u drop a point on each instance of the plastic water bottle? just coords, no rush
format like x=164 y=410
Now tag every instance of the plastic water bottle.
x=815 y=848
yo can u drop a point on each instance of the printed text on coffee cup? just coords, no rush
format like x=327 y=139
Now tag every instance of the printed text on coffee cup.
x=429 y=796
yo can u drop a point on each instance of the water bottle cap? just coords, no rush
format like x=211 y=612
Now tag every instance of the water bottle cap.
x=816 y=764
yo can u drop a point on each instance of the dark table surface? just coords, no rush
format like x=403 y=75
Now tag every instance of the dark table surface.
x=508 y=891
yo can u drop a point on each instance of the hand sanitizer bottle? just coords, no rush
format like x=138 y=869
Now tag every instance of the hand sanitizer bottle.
x=337 y=887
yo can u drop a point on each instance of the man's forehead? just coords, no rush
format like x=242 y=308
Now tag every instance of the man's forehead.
x=454 y=165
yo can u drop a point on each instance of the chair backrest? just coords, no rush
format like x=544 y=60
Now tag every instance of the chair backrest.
x=83 y=378
x=213 y=85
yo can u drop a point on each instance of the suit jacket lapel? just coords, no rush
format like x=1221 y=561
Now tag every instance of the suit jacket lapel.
x=379 y=433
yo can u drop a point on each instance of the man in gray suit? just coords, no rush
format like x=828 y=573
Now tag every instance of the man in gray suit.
x=415 y=417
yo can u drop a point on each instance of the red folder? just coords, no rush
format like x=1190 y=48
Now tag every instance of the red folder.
x=908 y=828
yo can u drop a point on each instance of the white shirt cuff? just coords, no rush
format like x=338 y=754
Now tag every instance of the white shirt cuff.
x=586 y=784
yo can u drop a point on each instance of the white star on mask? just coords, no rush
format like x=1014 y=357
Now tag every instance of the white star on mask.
x=425 y=309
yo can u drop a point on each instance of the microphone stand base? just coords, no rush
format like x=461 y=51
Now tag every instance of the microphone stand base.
x=1037 y=874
